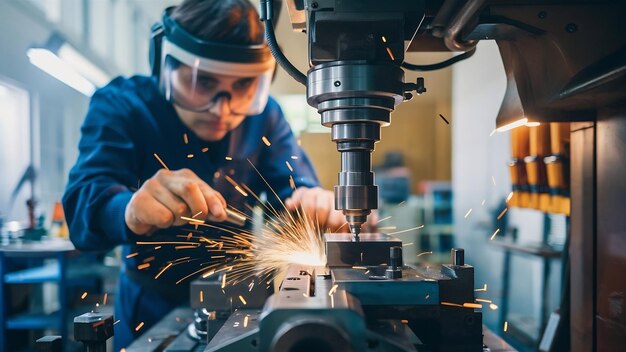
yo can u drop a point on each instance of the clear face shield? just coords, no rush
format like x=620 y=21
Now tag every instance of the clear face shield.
x=199 y=84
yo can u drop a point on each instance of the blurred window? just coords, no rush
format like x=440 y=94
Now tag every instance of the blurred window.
x=15 y=149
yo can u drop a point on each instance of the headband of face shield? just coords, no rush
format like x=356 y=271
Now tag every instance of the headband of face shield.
x=203 y=83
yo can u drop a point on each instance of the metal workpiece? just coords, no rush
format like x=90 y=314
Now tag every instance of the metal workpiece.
x=50 y=344
x=93 y=329
x=371 y=249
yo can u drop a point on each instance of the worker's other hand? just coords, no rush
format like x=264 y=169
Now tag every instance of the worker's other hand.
x=319 y=204
x=167 y=196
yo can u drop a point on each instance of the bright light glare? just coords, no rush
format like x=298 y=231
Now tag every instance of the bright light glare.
x=83 y=66
x=532 y=124
x=51 y=64
x=512 y=125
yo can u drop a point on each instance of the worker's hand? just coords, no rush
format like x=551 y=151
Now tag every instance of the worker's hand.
x=319 y=204
x=168 y=195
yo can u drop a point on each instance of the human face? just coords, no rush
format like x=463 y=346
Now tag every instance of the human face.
x=214 y=123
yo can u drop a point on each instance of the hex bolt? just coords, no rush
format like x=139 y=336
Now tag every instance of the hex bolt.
x=93 y=330
x=394 y=270
x=457 y=256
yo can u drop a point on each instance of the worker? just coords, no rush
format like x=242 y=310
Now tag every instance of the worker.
x=155 y=149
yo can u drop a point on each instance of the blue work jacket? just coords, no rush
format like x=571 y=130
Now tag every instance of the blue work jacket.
x=127 y=123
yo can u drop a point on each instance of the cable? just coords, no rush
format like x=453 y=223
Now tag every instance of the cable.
x=265 y=14
x=439 y=65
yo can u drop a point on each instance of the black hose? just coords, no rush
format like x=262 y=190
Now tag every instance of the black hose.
x=279 y=56
x=439 y=65
x=266 y=12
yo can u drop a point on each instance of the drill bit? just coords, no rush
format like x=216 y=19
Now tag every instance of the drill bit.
x=355 y=229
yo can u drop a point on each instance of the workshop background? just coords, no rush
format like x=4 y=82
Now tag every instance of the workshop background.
x=439 y=165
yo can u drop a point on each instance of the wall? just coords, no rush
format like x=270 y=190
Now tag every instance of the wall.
x=57 y=109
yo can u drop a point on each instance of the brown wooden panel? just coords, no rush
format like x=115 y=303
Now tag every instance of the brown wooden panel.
x=582 y=236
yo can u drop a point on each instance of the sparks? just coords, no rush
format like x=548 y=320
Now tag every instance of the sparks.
x=492 y=132
x=333 y=290
x=451 y=304
x=483 y=300
x=83 y=295
x=245 y=321
x=292 y=183
x=383 y=39
x=169 y=242
x=483 y=202
x=493 y=306
x=185 y=138
x=134 y=254
x=139 y=326
x=502 y=213
x=236 y=185
x=494 y=234
x=117 y=321
x=407 y=230
x=143 y=266
x=424 y=253
x=407 y=244
x=289 y=166
x=508 y=198
x=286 y=238
x=104 y=300
x=228 y=158
x=204 y=150
x=189 y=156
x=294 y=157
x=266 y=141
x=493 y=179
x=390 y=54
x=201 y=296
x=242 y=300
x=163 y=270
x=161 y=161
x=506 y=326
x=472 y=305
x=468 y=213
x=484 y=289
x=383 y=219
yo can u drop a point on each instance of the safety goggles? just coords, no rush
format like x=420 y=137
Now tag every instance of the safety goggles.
x=200 y=84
